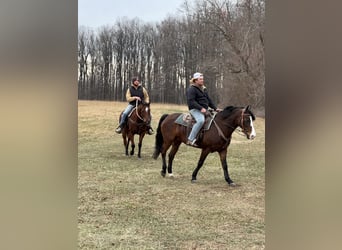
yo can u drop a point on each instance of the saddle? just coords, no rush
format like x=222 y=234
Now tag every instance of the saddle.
x=187 y=120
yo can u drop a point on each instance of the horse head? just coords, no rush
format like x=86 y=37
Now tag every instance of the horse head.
x=144 y=112
x=246 y=123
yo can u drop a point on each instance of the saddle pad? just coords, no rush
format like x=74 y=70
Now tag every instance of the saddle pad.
x=187 y=120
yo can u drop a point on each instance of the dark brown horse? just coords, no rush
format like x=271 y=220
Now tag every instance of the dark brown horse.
x=137 y=123
x=215 y=139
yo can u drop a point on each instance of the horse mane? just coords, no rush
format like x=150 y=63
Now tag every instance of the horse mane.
x=227 y=111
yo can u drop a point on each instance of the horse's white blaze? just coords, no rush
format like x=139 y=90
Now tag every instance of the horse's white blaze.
x=146 y=109
x=253 y=134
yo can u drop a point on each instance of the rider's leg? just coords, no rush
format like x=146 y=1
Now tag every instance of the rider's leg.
x=124 y=117
x=199 y=117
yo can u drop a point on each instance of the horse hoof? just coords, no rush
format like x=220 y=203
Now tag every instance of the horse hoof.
x=162 y=173
x=171 y=176
x=232 y=184
x=193 y=181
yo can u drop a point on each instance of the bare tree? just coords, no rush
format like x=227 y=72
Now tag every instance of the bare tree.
x=241 y=26
x=222 y=39
x=106 y=49
x=82 y=62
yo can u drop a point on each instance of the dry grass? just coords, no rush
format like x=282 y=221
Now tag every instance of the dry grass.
x=124 y=203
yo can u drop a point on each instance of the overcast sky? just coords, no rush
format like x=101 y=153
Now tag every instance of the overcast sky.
x=103 y=12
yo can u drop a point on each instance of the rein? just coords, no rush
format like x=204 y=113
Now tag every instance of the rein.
x=138 y=124
x=235 y=129
x=220 y=131
x=136 y=110
x=218 y=128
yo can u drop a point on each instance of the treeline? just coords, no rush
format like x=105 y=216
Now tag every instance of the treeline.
x=221 y=39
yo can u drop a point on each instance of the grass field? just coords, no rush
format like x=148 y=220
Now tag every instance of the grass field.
x=124 y=203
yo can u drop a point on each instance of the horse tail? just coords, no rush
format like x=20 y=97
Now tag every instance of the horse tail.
x=159 y=138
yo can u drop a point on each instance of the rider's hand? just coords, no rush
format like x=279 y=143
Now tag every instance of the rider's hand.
x=218 y=110
x=203 y=110
x=137 y=98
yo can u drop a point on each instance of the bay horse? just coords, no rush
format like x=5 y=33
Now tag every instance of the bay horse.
x=137 y=123
x=216 y=139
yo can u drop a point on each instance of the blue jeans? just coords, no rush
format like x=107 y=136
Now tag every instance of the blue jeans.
x=199 y=117
x=125 y=114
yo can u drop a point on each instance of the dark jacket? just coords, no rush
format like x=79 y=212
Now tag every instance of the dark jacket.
x=137 y=91
x=198 y=99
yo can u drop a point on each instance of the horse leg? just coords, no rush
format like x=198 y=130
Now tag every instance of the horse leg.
x=128 y=140
x=201 y=160
x=132 y=144
x=223 y=158
x=165 y=147
x=141 y=137
x=172 y=154
x=163 y=171
x=124 y=138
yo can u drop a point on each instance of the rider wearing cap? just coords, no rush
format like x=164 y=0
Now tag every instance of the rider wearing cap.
x=134 y=92
x=198 y=102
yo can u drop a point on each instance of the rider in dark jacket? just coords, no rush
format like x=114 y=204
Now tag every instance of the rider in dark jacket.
x=134 y=92
x=198 y=102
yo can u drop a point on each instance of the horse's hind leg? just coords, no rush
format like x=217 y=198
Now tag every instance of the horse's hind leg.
x=163 y=171
x=165 y=147
x=201 y=160
x=172 y=154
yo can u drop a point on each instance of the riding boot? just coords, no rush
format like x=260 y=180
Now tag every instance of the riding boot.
x=118 y=130
x=192 y=143
x=150 y=131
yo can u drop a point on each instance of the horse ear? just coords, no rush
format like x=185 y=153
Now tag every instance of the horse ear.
x=247 y=108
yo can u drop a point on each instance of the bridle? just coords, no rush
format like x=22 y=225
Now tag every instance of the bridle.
x=137 y=113
x=242 y=120
x=241 y=124
x=243 y=130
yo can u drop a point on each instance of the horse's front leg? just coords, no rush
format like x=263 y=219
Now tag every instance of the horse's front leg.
x=223 y=158
x=126 y=142
x=141 y=137
x=201 y=160
x=131 y=138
